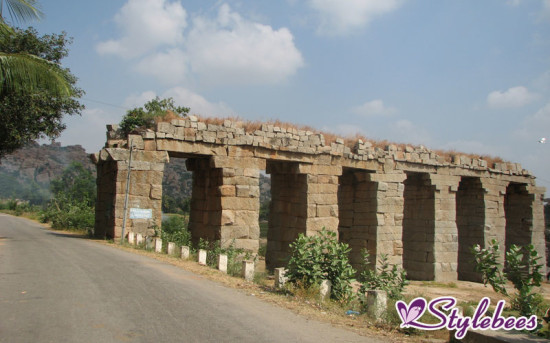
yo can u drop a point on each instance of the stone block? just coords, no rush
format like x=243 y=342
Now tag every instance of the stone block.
x=325 y=289
x=222 y=263
x=248 y=270
x=184 y=252
x=280 y=278
x=158 y=245
x=377 y=303
x=171 y=249
x=131 y=238
x=202 y=257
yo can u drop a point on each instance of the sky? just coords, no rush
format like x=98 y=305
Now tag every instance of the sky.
x=466 y=75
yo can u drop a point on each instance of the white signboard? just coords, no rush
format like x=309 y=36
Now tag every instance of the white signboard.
x=141 y=213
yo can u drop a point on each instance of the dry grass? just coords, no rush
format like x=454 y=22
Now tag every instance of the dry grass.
x=350 y=141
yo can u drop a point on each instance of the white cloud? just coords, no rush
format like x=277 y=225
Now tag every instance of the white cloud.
x=183 y=97
x=373 y=108
x=513 y=97
x=233 y=50
x=198 y=104
x=226 y=49
x=146 y=25
x=171 y=67
x=404 y=131
x=340 y=17
x=85 y=130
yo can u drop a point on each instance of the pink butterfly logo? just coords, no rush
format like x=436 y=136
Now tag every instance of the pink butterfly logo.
x=412 y=312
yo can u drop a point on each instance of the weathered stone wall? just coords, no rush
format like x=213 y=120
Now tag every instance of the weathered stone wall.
x=420 y=209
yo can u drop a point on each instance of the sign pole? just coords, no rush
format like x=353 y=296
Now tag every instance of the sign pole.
x=127 y=191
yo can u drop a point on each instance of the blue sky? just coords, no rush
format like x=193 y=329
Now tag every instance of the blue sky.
x=473 y=76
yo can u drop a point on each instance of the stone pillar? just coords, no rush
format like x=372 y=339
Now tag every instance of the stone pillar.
x=389 y=216
x=371 y=215
x=225 y=203
x=539 y=225
x=145 y=190
x=288 y=211
x=304 y=199
x=445 y=230
x=495 y=217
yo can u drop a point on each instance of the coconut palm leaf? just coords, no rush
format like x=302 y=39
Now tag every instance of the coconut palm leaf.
x=20 y=10
x=28 y=73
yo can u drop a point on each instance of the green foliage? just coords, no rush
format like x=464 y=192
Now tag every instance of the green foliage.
x=522 y=269
x=486 y=263
x=235 y=256
x=144 y=117
x=321 y=257
x=264 y=210
x=174 y=229
x=179 y=205
x=74 y=199
x=392 y=280
x=34 y=109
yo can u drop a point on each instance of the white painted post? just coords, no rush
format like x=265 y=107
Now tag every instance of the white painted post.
x=280 y=278
x=149 y=242
x=202 y=257
x=377 y=303
x=131 y=238
x=139 y=239
x=158 y=245
x=184 y=252
x=325 y=288
x=222 y=263
x=248 y=270
x=171 y=248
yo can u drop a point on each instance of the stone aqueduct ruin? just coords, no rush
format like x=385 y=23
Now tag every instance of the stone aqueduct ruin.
x=421 y=210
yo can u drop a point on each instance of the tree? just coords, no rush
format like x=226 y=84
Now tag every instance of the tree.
x=36 y=112
x=35 y=91
x=20 y=71
x=145 y=117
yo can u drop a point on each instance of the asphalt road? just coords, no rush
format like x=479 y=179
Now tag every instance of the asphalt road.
x=58 y=288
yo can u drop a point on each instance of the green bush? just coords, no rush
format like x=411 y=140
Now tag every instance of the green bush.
x=392 y=280
x=145 y=117
x=73 y=205
x=321 y=257
x=522 y=269
x=174 y=229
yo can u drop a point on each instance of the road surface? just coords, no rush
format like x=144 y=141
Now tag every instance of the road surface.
x=58 y=288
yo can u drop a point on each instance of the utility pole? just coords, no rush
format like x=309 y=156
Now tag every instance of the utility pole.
x=127 y=191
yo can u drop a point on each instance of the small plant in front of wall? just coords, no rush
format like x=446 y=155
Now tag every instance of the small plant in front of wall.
x=321 y=257
x=235 y=256
x=390 y=279
x=522 y=269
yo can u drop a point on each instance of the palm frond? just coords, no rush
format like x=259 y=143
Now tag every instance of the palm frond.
x=21 y=10
x=28 y=73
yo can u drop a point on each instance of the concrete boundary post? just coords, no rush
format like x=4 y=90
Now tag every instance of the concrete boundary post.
x=148 y=243
x=324 y=289
x=377 y=303
x=248 y=270
x=131 y=238
x=158 y=245
x=171 y=248
x=139 y=239
x=280 y=278
x=222 y=263
x=184 y=252
x=202 y=257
